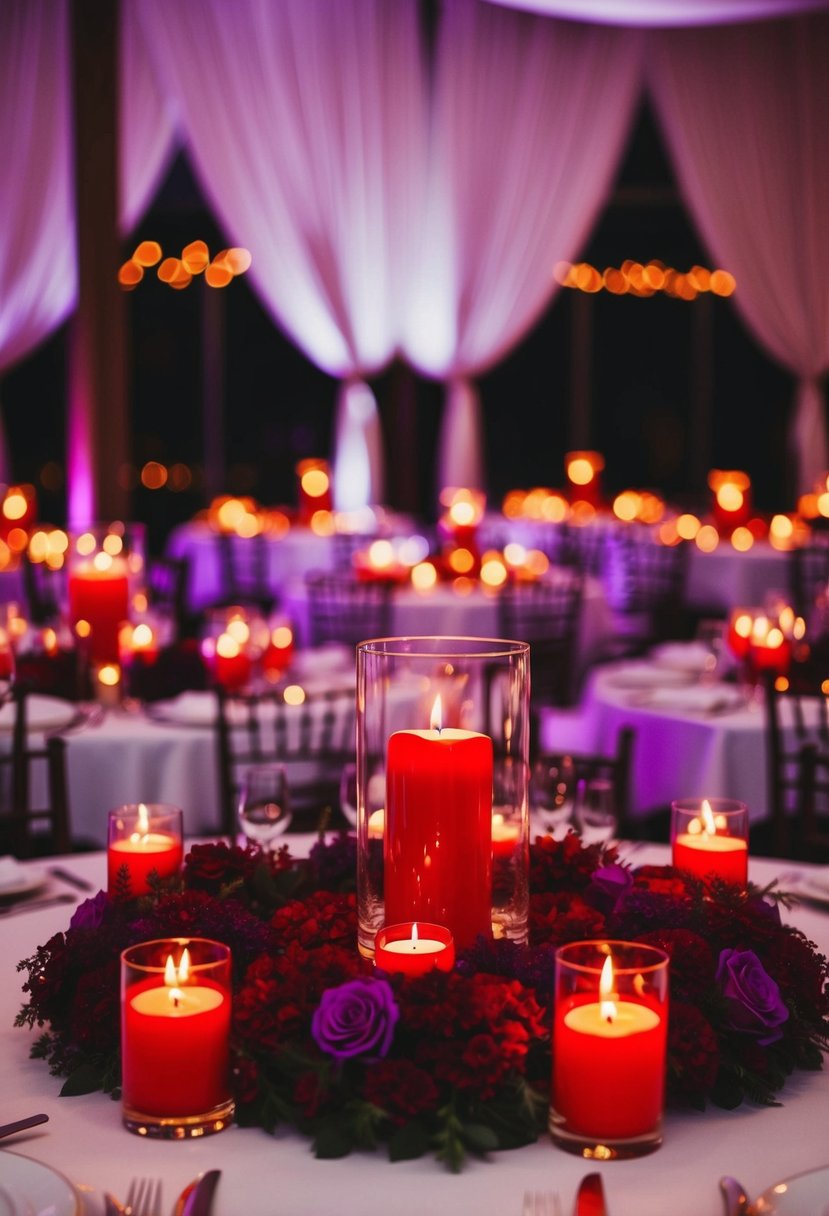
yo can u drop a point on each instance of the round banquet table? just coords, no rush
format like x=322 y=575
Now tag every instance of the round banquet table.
x=264 y=1175
x=692 y=740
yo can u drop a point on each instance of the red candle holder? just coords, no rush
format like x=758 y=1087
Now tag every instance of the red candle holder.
x=175 y=1036
x=731 y=502
x=709 y=838
x=314 y=491
x=414 y=948
x=609 y=1042
x=431 y=715
x=105 y=564
x=583 y=470
x=143 y=838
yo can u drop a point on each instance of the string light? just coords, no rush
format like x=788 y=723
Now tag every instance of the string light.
x=645 y=279
x=179 y=273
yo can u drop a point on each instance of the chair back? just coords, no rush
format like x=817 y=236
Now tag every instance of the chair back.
x=797 y=750
x=814 y=803
x=32 y=825
x=314 y=741
x=645 y=585
x=43 y=590
x=344 y=608
x=545 y=614
x=169 y=580
x=808 y=569
x=243 y=565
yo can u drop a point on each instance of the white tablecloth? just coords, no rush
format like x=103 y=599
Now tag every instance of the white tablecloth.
x=681 y=750
x=278 y=1176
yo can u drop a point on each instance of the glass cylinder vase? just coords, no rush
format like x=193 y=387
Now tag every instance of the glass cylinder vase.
x=105 y=567
x=443 y=723
x=175 y=1037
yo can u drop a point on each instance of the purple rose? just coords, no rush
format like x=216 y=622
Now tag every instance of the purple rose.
x=90 y=914
x=608 y=885
x=755 y=1006
x=356 y=1019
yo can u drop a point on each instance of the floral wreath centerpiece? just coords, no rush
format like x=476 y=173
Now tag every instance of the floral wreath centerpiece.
x=453 y=1062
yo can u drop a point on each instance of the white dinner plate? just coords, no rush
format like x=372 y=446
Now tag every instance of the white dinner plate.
x=803 y=1195
x=812 y=887
x=42 y=713
x=28 y=1188
x=691 y=657
x=187 y=709
x=18 y=880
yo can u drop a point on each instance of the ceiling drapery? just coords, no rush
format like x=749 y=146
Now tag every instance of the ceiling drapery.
x=529 y=120
x=313 y=154
x=761 y=204
x=654 y=14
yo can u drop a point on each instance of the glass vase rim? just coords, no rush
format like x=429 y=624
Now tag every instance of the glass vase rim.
x=719 y=806
x=222 y=952
x=660 y=961
x=494 y=647
x=165 y=808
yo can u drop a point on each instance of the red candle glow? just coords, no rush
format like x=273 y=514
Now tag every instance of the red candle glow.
x=731 y=491
x=438 y=829
x=231 y=663
x=175 y=1028
x=144 y=838
x=710 y=839
x=414 y=948
x=99 y=595
x=609 y=1033
x=769 y=648
x=278 y=652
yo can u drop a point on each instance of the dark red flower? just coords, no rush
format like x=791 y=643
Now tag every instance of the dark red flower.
x=400 y=1088
x=693 y=1052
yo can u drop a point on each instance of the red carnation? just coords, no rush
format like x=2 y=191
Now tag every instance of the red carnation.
x=693 y=1053
x=400 y=1088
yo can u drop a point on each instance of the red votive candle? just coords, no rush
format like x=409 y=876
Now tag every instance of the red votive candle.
x=505 y=836
x=414 y=948
x=438 y=829
x=175 y=1031
x=609 y=1042
x=709 y=838
x=143 y=838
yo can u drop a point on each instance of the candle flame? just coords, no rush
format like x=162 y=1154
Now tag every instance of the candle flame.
x=436 y=720
x=142 y=828
x=414 y=936
x=606 y=980
x=709 y=825
x=175 y=976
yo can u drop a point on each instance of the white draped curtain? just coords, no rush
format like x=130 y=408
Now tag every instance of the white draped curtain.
x=306 y=123
x=529 y=119
x=744 y=112
x=653 y=13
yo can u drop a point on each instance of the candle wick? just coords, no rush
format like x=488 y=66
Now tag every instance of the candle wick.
x=175 y=1003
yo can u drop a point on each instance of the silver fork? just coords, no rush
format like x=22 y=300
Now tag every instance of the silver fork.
x=143 y=1197
x=541 y=1203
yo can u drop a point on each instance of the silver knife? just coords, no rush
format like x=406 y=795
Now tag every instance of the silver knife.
x=590 y=1197
x=197 y=1197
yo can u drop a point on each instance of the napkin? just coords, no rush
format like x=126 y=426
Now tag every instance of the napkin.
x=697 y=698
x=11 y=871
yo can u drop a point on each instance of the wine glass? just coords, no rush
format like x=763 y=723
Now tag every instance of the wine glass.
x=552 y=784
x=595 y=810
x=264 y=806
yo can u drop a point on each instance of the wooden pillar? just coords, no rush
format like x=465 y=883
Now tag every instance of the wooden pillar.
x=98 y=419
x=213 y=381
x=702 y=389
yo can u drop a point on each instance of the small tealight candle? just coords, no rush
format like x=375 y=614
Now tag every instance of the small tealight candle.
x=143 y=838
x=505 y=836
x=609 y=1043
x=414 y=948
x=709 y=838
x=175 y=1033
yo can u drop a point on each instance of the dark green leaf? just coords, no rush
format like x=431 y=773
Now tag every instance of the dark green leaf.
x=332 y=1140
x=84 y=1080
x=408 y=1142
x=479 y=1138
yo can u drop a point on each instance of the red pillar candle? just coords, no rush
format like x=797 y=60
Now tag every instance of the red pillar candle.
x=505 y=836
x=414 y=948
x=609 y=1045
x=231 y=663
x=99 y=595
x=175 y=1030
x=731 y=490
x=279 y=651
x=438 y=829
x=144 y=838
x=709 y=838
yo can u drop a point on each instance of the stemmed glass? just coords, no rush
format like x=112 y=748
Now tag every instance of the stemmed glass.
x=264 y=806
x=595 y=810
x=552 y=786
